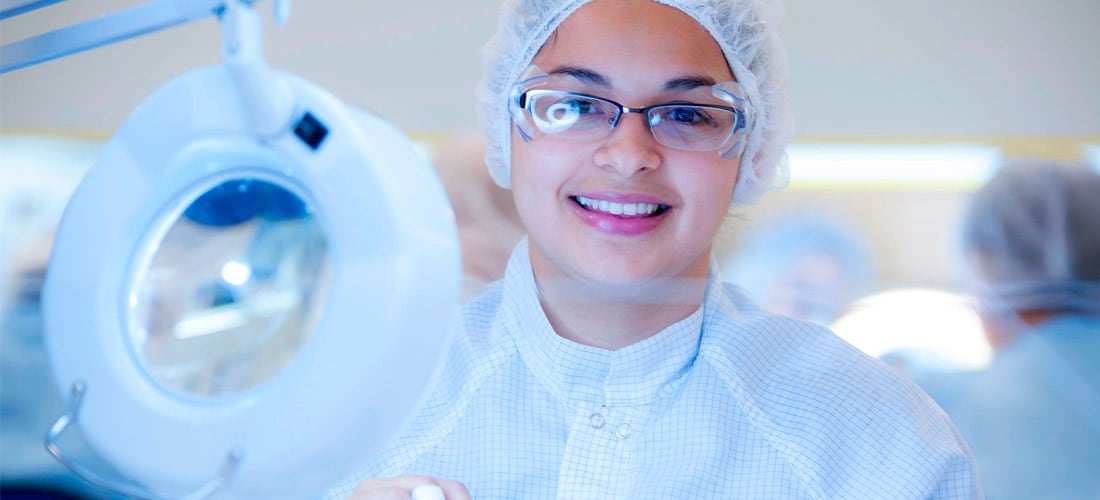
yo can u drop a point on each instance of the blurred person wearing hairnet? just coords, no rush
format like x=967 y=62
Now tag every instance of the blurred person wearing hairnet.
x=809 y=266
x=611 y=361
x=1031 y=239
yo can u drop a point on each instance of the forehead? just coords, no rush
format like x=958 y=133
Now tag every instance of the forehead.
x=631 y=41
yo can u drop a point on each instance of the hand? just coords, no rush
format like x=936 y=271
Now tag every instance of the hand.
x=401 y=488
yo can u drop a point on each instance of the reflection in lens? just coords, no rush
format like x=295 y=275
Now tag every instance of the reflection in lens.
x=559 y=116
x=231 y=290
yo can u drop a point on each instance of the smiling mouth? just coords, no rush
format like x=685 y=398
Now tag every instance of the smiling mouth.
x=620 y=209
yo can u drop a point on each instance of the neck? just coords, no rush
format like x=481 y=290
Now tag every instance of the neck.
x=615 y=316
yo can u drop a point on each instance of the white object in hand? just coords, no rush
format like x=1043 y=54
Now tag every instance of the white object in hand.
x=428 y=492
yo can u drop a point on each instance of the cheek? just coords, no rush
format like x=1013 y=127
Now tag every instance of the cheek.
x=732 y=169
x=714 y=181
x=541 y=167
x=523 y=168
x=534 y=184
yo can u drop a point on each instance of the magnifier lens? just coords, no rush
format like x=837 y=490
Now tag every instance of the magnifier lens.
x=230 y=291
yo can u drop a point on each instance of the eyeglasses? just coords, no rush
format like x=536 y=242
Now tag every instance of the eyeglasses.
x=687 y=126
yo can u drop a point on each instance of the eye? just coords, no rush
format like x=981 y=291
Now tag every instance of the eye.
x=688 y=115
x=569 y=105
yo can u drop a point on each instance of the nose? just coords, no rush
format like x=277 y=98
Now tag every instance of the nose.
x=630 y=148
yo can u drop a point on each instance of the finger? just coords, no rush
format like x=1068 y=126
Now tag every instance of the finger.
x=454 y=490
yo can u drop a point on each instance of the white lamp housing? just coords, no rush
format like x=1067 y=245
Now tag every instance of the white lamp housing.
x=394 y=277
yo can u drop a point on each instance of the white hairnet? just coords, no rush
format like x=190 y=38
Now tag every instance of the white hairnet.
x=747 y=32
x=1032 y=236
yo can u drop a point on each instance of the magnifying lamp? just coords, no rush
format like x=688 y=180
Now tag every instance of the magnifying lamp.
x=248 y=291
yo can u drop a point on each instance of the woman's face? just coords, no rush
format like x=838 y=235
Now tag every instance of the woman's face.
x=638 y=53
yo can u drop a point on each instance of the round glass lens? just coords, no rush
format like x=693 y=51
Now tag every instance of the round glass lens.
x=572 y=116
x=695 y=128
x=229 y=289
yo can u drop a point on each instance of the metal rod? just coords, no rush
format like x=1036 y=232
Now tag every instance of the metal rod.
x=104 y=30
x=11 y=8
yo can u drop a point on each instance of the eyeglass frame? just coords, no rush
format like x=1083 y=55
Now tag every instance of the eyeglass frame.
x=729 y=91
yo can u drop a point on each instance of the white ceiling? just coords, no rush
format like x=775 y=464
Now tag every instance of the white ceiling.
x=859 y=67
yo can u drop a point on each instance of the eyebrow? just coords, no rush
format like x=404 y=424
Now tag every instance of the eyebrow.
x=689 y=82
x=594 y=78
x=584 y=75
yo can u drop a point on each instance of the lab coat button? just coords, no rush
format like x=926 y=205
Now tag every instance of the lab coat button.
x=624 y=431
x=596 y=421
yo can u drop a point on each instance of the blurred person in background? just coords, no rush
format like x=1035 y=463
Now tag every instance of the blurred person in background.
x=1031 y=242
x=808 y=266
x=37 y=176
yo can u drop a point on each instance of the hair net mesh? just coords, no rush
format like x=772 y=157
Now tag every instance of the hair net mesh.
x=1032 y=238
x=747 y=32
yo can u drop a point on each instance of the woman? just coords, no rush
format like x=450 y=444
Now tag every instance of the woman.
x=610 y=361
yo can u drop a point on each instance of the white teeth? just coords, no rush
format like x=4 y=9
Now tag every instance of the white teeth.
x=614 y=208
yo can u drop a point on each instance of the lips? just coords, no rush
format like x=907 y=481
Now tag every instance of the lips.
x=618 y=209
